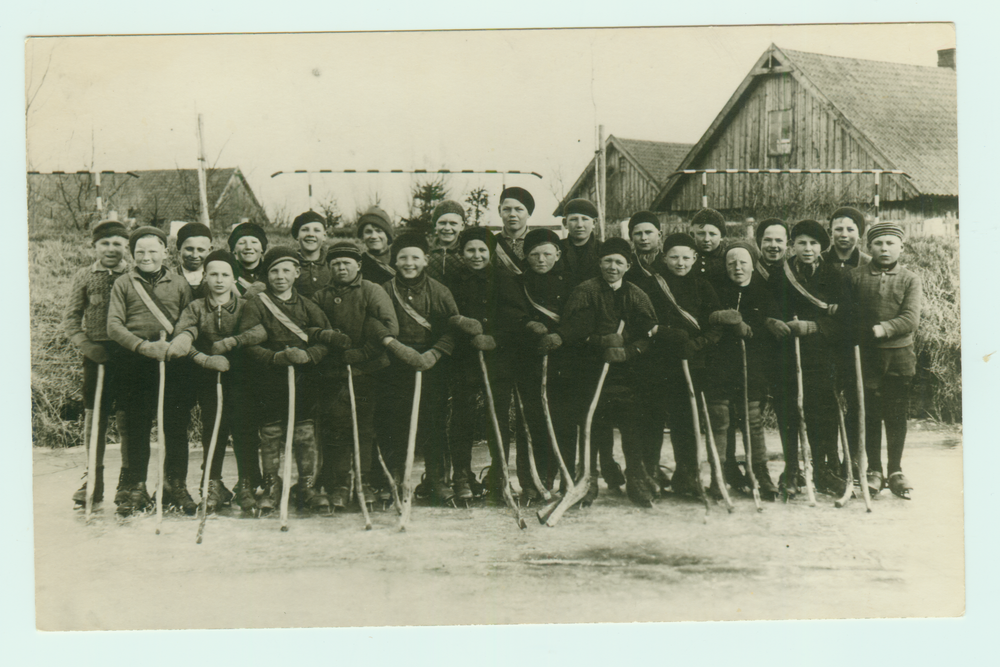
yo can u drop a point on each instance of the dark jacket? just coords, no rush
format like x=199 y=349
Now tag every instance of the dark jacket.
x=725 y=359
x=826 y=284
x=493 y=298
x=375 y=271
x=514 y=251
x=712 y=266
x=313 y=275
x=434 y=302
x=695 y=295
x=300 y=310
x=361 y=310
x=581 y=262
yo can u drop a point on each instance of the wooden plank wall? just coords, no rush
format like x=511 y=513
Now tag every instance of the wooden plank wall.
x=628 y=189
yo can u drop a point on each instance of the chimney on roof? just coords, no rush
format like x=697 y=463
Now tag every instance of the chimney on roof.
x=946 y=58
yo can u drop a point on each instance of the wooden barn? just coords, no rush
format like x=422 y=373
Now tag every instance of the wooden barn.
x=155 y=197
x=636 y=172
x=797 y=110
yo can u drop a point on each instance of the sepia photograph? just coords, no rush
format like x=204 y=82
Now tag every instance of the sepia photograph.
x=495 y=327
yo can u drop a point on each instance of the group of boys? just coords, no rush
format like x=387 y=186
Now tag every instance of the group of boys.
x=354 y=326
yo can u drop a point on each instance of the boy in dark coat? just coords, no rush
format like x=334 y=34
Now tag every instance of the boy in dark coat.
x=516 y=206
x=708 y=228
x=375 y=231
x=290 y=322
x=885 y=301
x=589 y=329
x=248 y=242
x=86 y=326
x=445 y=257
x=309 y=231
x=194 y=242
x=847 y=228
x=580 y=247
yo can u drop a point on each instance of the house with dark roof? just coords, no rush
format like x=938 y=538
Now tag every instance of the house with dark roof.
x=797 y=110
x=155 y=197
x=636 y=171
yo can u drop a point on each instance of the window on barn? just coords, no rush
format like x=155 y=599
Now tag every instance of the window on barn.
x=779 y=118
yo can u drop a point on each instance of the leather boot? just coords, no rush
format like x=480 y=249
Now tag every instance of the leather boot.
x=270 y=460
x=307 y=459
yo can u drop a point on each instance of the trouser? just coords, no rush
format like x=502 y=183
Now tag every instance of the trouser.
x=230 y=424
x=140 y=379
x=395 y=401
x=337 y=428
x=564 y=411
x=650 y=419
x=820 y=408
x=468 y=417
x=569 y=398
x=272 y=400
x=720 y=410
x=888 y=403
x=616 y=409
x=109 y=400
x=680 y=419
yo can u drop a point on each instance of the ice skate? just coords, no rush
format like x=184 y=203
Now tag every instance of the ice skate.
x=899 y=485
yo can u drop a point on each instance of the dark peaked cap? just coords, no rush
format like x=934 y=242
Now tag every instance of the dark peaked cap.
x=521 y=195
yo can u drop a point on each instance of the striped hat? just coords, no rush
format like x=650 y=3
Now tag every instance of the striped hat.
x=884 y=228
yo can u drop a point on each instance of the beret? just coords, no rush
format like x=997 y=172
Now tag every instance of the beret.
x=678 y=239
x=248 y=229
x=812 y=229
x=145 y=230
x=106 y=228
x=537 y=237
x=477 y=234
x=580 y=207
x=709 y=216
x=408 y=240
x=279 y=254
x=616 y=246
x=343 y=249
x=305 y=219
x=221 y=255
x=190 y=230
x=854 y=214
x=446 y=207
x=375 y=216
x=641 y=217
x=521 y=195
x=770 y=222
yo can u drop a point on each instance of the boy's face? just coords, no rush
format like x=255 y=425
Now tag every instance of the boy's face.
x=708 y=237
x=476 y=255
x=579 y=227
x=311 y=236
x=193 y=252
x=411 y=262
x=807 y=249
x=885 y=250
x=645 y=237
x=282 y=276
x=774 y=242
x=219 y=278
x=679 y=259
x=248 y=249
x=374 y=239
x=110 y=250
x=844 y=233
x=514 y=216
x=149 y=254
x=613 y=267
x=739 y=266
x=448 y=226
x=343 y=270
x=543 y=257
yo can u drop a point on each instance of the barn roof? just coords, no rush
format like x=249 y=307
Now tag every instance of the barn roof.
x=175 y=191
x=655 y=160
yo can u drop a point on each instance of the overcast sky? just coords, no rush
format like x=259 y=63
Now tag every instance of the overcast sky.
x=527 y=100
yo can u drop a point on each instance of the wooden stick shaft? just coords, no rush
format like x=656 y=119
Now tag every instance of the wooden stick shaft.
x=747 y=446
x=161 y=442
x=697 y=433
x=286 y=476
x=862 y=445
x=713 y=455
x=803 y=435
x=92 y=452
x=497 y=451
x=392 y=483
x=357 y=449
x=563 y=470
x=203 y=505
x=411 y=448
x=845 y=448
x=535 y=479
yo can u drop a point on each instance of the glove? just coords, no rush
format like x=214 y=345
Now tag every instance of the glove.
x=223 y=346
x=802 y=327
x=254 y=290
x=154 y=349
x=777 y=328
x=725 y=317
x=484 y=343
x=355 y=355
x=334 y=338
x=548 y=343
x=614 y=355
x=537 y=328
x=215 y=362
x=179 y=347
x=466 y=325
x=428 y=359
x=291 y=357
x=405 y=353
x=743 y=330
x=879 y=332
x=94 y=352
x=610 y=340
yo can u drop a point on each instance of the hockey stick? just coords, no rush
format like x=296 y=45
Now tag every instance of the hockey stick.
x=697 y=435
x=203 y=505
x=544 y=513
x=161 y=442
x=497 y=450
x=286 y=476
x=803 y=436
x=92 y=453
x=392 y=483
x=411 y=447
x=846 y=449
x=747 y=449
x=357 y=449
x=535 y=479
x=714 y=456
x=862 y=445
x=577 y=492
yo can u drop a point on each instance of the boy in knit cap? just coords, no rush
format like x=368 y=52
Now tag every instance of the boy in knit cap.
x=885 y=300
x=309 y=231
x=448 y=220
x=580 y=247
x=516 y=206
x=375 y=231
x=86 y=326
x=847 y=228
x=423 y=309
x=145 y=305
x=745 y=303
x=708 y=228
x=207 y=333
x=590 y=328
x=290 y=322
x=811 y=291
x=248 y=242
x=361 y=316
x=194 y=242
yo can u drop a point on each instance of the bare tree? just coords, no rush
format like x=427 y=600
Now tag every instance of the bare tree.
x=478 y=201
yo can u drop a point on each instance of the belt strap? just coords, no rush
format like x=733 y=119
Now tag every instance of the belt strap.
x=665 y=288
x=152 y=303
x=506 y=260
x=282 y=317
x=540 y=308
x=822 y=305
x=420 y=319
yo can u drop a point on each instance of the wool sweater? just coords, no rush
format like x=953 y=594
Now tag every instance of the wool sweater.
x=857 y=258
x=300 y=310
x=363 y=311
x=514 y=249
x=581 y=262
x=443 y=262
x=431 y=299
x=890 y=297
x=492 y=297
x=314 y=275
x=89 y=298
x=130 y=322
x=712 y=265
x=209 y=324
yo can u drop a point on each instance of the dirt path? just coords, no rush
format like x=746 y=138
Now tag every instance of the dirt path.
x=612 y=562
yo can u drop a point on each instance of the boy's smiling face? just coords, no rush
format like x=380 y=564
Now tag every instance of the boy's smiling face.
x=773 y=243
x=447 y=227
x=807 y=249
x=249 y=250
x=219 y=278
x=311 y=237
x=282 y=276
x=374 y=239
x=885 y=249
x=679 y=259
x=149 y=253
x=410 y=262
x=476 y=254
x=110 y=250
x=844 y=233
x=613 y=268
x=194 y=250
